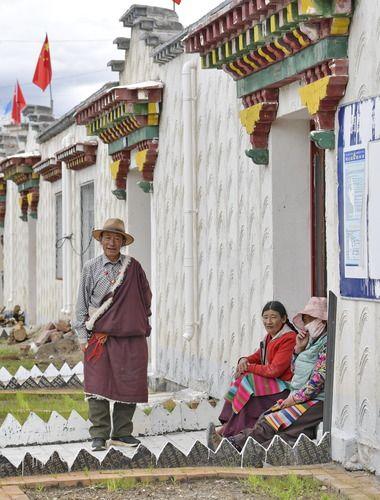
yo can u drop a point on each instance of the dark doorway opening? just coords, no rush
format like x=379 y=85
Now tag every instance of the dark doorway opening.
x=318 y=222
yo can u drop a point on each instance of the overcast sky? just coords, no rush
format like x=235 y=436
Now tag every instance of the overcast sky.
x=80 y=34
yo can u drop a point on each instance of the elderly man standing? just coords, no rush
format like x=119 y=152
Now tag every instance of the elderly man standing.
x=112 y=324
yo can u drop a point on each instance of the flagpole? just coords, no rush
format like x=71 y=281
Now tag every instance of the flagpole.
x=174 y=6
x=51 y=98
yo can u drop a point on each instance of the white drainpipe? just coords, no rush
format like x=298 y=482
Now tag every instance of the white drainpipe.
x=67 y=233
x=188 y=205
x=10 y=216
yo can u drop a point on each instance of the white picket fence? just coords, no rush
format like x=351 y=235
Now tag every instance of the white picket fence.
x=60 y=430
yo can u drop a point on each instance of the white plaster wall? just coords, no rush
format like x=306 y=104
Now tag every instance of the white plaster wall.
x=49 y=294
x=356 y=412
x=233 y=202
x=18 y=237
x=139 y=65
x=15 y=252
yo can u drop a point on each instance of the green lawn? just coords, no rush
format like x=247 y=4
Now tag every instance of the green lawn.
x=21 y=403
x=11 y=358
x=289 y=487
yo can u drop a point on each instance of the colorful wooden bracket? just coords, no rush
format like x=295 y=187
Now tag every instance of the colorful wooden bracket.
x=257 y=117
x=247 y=36
x=19 y=169
x=32 y=198
x=325 y=87
x=23 y=204
x=126 y=118
x=146 y=159
x=119 y=171
x=50 y=169
x=79 y=155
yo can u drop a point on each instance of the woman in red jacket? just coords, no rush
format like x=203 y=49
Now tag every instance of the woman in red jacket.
x=262 y=378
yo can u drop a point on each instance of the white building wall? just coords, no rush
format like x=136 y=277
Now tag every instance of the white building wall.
x=16 y=271
x=139 y=65
x=18 y=237
x=233 y=236
x=49 y=295
x=356 y=411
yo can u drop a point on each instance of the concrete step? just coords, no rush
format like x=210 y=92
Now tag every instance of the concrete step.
x=183 y=449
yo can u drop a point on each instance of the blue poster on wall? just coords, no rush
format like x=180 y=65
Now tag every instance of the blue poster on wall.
x=359 y=198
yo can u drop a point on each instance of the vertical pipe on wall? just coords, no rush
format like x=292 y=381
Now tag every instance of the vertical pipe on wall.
x=32 y=273
x=9 y=218
x=188 y=178
x=66 y=247
x=153 y=284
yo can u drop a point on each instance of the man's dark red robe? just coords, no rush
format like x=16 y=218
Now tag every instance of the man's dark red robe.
x=120 y=372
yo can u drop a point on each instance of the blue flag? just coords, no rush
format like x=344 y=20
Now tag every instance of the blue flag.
x=7 y=108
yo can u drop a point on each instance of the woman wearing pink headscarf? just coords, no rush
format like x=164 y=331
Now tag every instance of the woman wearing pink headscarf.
x=302 y=410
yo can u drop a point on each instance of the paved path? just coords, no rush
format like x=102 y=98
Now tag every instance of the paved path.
x=355 y=485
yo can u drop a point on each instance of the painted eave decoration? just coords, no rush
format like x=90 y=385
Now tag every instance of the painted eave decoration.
x=266 y=44
x=79 y=155
x=126 y=118
x=19 y=169
x=50 y=169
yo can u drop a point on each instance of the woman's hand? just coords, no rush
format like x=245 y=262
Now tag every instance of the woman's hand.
x=289 y=401
x=302 y=340
x=241 y=367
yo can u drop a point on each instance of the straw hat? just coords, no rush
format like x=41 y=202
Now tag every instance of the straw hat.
x=316 y=307
x=114 y=226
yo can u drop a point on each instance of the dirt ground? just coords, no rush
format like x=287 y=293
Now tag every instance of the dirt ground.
x=202 y=489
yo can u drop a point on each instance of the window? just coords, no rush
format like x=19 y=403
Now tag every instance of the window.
x=87 y=221
x=58 y=237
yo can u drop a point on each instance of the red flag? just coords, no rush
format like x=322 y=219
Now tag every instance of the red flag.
x=177 y=1
x=18 y=104
x=43 y=73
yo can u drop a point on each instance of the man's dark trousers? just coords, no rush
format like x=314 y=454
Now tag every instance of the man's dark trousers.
x=100 y=418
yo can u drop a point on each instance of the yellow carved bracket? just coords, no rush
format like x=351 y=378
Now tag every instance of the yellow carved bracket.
x=312 y=94
x=114 y=167
x=140 y=159
x=250 y=116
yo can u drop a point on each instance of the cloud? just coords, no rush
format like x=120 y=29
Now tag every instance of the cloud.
x=78 y=66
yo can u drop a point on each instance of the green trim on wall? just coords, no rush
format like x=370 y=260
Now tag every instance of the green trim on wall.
x=329 y=48
x=32 y=183
x=116 y=146
x=143 y=134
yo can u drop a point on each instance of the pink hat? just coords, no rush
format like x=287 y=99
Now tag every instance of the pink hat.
x=316 y=307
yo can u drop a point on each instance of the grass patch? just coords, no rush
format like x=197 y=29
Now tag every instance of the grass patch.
x=21 y=403
x=288 y=488
x=12 y=358
x=119 y=484
x=169 y=405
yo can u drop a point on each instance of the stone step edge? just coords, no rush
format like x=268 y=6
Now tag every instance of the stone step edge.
x=89 y=477
x=303 y=452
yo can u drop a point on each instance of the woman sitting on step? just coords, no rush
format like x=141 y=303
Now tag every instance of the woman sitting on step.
x=302 y=410
x=261 y=378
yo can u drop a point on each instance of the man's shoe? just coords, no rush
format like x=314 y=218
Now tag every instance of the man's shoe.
x=130 y=441
x=98 y=444
x=213 y=439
